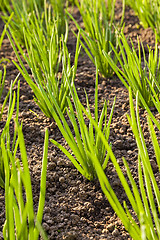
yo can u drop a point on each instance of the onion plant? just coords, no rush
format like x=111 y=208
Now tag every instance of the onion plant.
x=59 y=13
x=91 y=7
x=22 y=10
x=3 y=4
x=26 y=12
x=148 y=13
x=52 y=108
x=99 y=32
x=5 y=131
x=44 y=45
x=155 y=101
x=4 y=30
x=137 y=71
x=2 y=82
x=85 y=135
x=143 y=196
x=21 y=221
x=12 y=99
x=1 y=40
x=45 y=53
x=143 y=10
x=3 y=72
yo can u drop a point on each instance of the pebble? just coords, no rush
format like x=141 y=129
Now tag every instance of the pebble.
x=74 y=189
x=129 y=152
x=24 y=97
x=51 y=166
x=71 y=236
x=55 y=176
x=75 y=219
x=50 y=222
x=110 y=227
x=119 y=144
x=47 y=210
x=36 y=198
x=154 y=166
x=83 y=195
x=115 y=233
x=45 y=226
x=60 y=163
x=116 y=182
x=61 y=179
x=87 y=204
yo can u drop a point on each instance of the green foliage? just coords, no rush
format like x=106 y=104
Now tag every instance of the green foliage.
x=44 y=46
x=2 y=73
x=4 y=30
x=12 y=99
x=105 y=12
x=2 y=82
x=27 y=13
x=6 y=129
x=99 y=32
x=21 y=222
x=85 y=138
x=43 y=29
x=136 y=70
x=3 y=4
x=145 y=202
x=143 y=10
x=59 y=13
x=22 y=10
x=148 y=13
x=48 y=86
x=1 y=40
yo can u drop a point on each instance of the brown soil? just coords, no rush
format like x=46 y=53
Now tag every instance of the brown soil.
x=76 y=208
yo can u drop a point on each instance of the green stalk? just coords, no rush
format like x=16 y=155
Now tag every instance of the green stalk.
x=43 y=186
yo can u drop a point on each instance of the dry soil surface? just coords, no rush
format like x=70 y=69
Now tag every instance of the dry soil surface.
x=76 y=208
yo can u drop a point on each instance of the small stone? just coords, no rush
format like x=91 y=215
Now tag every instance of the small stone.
x=110 y=227
x=24 y=97
x=36 y=198
x=70 y=236
x=75 y=219
x=116 y=182
x=47 y=210
x=45 y=226
x=122 y=129
x=105 y=231
x=51 y=166
x=154 y=166
x=83 y=195
x=129 y=152
x=115 y=233
x=119 y=144
x=61 y=179
x=74 y=189
x=87 y=204
x=50 y=222
x=60 y=163
x=55 y=176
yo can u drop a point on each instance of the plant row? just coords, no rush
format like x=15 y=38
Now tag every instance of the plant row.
x=41 y=27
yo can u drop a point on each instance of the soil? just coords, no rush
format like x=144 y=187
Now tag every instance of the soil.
x=76 y=208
